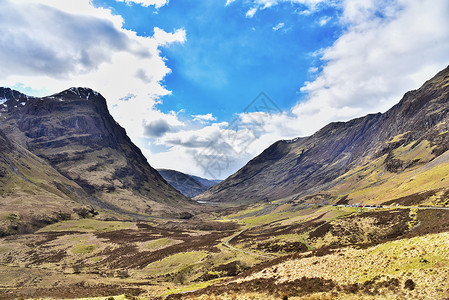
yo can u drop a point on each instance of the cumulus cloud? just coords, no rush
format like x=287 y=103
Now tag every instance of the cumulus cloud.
x=31 y=35
x=146 y=3
x=278 y=26
x=388 y=48
x=214 y=151
x=204 y=118
x=251 y=12
x=324 y=20
x=56 y=44
x=164 y=38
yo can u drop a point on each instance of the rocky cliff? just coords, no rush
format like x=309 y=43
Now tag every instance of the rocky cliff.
x=92 y=160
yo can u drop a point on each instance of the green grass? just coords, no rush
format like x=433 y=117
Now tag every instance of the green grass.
x=83 y=249
x=193 y=287
x=407 y=255
x=398 y=138
x=175 y=263
x=245 y=212
x=159 y=244
x=422 y=151
x=96 y=259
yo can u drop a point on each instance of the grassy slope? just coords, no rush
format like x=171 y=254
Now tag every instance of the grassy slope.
x=34 y=194
x=378 y=272
x=373 y=184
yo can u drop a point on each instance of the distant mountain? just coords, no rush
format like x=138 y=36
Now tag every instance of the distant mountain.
x=188 y=185
x=400 y=156
x=65 y=152
x=206 y=182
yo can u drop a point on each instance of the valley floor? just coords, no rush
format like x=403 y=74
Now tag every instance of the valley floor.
x=272 y=251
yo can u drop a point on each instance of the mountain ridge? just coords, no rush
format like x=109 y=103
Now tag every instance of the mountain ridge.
x=74 y=138
x=312 y=164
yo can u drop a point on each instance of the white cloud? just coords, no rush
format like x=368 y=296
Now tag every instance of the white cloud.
x=388 y=48
x=313 y=70
x=204 y=118
x=228 y=2
x=251 y=12
x=278 y=26
x=146 y=3
x=324 y=20
x=165 y=38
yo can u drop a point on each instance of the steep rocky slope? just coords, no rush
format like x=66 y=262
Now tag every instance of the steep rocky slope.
x=86 y=156
x=372 y=153
x=188 y=185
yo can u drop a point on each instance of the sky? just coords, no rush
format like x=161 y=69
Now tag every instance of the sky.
x=204 y=86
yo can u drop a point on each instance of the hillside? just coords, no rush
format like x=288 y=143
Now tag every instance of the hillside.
x=298 y=246
x=369 y=159
x=188 y=185
x=65 y=152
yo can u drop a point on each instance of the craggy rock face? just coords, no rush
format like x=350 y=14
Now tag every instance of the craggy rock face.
x=308 y=165
x=74 y=133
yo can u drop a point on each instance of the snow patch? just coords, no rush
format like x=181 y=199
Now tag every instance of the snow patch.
x=75 y=91
x=292 y=140
x=3 y=100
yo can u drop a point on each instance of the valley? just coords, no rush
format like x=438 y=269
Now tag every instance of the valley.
x=359 y=210
x=262 y=251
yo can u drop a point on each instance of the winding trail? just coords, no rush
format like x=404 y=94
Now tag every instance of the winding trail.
x=243 y=251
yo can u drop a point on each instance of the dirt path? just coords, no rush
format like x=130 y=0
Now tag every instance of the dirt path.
x=243 y=251
x=304 y=240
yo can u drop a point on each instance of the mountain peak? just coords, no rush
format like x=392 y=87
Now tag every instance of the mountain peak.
x=74 y=133
x=8 y=94
x=78 y=93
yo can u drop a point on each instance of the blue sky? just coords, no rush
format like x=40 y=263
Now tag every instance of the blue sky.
x=229 y=58
x=179 y=75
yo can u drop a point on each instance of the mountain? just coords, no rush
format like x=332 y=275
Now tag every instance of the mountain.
x=188 y=185
x=206 y=182
x=395 y=156
x=67 y=147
